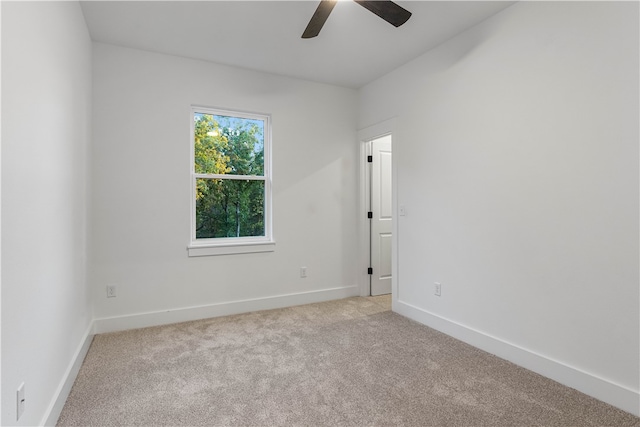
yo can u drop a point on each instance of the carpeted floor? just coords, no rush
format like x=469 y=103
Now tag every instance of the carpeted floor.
x=351 y=362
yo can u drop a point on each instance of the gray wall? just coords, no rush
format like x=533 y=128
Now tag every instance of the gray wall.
x=516 y=151
x=46 y=116
x=141 y=185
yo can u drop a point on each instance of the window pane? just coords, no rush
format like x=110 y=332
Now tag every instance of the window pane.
x=228 y=145
x=229 y=208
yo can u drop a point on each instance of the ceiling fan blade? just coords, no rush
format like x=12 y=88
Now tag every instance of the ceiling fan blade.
x=389 y=11
x=319 y=18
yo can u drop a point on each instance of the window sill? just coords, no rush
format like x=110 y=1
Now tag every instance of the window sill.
x=230 y=249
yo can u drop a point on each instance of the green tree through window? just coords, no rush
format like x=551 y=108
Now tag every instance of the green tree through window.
x=229 y=173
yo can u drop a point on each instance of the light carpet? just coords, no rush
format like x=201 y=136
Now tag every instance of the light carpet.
x=350 y=362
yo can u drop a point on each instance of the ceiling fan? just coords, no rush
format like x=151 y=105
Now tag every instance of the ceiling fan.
x=385 y=9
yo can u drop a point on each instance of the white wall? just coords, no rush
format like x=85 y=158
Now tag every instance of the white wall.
x=517 y=160
x=46 y=110
x=141 y=184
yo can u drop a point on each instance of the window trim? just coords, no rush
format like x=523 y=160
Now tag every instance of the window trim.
x=231 y=245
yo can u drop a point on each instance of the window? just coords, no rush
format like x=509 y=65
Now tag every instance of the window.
x=230 y=182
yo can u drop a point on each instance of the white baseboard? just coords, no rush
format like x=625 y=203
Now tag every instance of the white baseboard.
x=143 y=320
x=62 y=393
x=589 y=384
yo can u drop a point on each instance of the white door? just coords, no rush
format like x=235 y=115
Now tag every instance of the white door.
x=381 y=221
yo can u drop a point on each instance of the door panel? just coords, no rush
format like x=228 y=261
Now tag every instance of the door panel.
x=385 y=256
x=381 y=222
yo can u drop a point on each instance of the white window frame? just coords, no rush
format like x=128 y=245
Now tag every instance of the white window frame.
x=232 y=245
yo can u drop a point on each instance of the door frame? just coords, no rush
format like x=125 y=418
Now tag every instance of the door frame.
x=387 y=127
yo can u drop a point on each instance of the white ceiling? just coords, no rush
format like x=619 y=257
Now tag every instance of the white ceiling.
x=354 y=47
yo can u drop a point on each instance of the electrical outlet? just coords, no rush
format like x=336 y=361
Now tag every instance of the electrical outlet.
x=303 y=272
x=111 y=291
x=20 y=401
x=437 y=289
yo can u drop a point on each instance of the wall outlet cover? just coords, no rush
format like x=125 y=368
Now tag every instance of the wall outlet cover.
x=20 y=401
x=437 y=289
x=111 y=291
